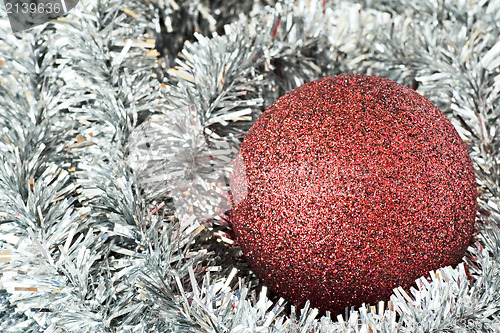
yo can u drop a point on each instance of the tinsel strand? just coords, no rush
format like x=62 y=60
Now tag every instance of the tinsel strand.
x=147 y=162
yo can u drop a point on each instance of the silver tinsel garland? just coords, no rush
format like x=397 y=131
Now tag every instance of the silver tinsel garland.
x=115 y=154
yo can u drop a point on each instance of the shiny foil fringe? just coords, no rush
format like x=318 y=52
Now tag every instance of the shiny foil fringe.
x=104 y=229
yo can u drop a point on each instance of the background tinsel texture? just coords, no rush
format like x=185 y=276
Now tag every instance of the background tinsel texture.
x=118 y=125
x=356 y=185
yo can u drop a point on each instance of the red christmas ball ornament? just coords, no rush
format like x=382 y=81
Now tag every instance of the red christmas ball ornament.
x=348 y=187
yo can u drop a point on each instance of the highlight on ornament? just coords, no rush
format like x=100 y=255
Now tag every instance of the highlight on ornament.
x=348 y=187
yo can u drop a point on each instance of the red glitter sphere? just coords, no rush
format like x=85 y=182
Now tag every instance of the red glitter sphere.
x=348 y=187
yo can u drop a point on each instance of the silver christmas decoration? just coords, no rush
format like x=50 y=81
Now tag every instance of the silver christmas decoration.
x=120 y=122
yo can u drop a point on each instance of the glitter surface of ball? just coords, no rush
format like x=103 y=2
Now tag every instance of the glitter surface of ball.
x=348 y=187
